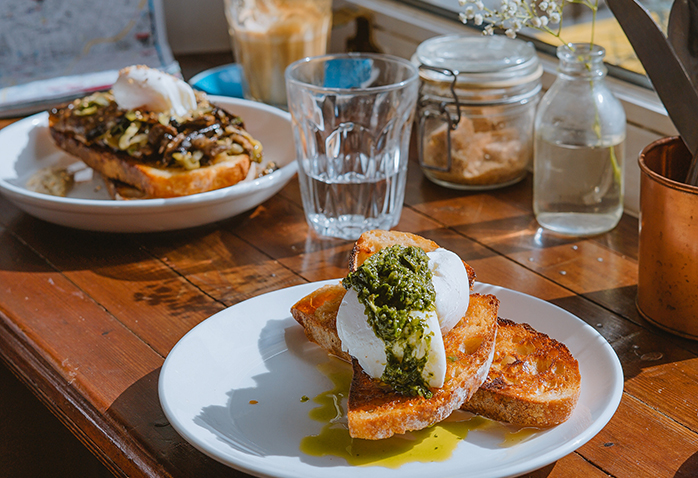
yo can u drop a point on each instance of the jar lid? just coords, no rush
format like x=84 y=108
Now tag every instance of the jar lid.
x=479 y=61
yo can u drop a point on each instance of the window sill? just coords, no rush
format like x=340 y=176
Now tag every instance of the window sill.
x=400 y=28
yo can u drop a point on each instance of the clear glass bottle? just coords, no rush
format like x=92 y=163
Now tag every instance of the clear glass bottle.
x=579 y=147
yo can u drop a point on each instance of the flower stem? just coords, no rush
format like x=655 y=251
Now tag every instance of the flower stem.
x=594 y=10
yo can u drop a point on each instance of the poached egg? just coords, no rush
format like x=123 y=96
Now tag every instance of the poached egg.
x=153 y=90
x=452 y=296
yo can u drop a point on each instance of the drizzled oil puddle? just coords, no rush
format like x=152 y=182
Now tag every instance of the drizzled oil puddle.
x=515 y=437
x=436 y=443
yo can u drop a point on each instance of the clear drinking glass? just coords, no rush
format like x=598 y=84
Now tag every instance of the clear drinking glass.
x=269 y=35
x=352 y=116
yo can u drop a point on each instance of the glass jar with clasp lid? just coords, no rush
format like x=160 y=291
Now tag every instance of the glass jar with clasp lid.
x=476 y=109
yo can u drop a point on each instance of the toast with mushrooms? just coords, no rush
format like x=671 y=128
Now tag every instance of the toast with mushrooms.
x=154 y=155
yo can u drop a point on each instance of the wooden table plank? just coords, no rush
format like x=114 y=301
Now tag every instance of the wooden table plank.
x=570 y=466
x=141 y=292
x=78 y=384
x=639 y=442
x=585 y=266
x=278 y=228
x=660 y=373
x=31 y=289
x=219 y=263
x=139 y=407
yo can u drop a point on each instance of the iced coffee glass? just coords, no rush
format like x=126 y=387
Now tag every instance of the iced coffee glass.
x=269 y=35
x=352 y=116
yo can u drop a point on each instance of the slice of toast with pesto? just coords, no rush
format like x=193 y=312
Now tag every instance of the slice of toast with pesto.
x=376 y=410
x=532 y=381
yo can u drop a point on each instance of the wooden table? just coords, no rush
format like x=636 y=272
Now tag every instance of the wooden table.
x=86 y=319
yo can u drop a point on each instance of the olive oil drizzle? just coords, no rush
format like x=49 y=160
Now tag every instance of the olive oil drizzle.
x=518 y=436
x=432 y=444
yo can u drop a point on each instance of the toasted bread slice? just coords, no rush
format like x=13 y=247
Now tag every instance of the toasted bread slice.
x=376 y=411
x=224 y=171
x=534 y=380
x=371 y=242
x=317 y=313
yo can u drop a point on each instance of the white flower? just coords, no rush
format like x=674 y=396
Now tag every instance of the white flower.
x=513 y=15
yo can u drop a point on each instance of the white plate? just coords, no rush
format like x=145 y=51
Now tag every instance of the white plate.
x=26 y=147
x=255 y=350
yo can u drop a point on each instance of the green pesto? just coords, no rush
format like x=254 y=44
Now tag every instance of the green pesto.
x=390 y=284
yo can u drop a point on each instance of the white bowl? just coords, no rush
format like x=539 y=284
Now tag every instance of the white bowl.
x=26 y=147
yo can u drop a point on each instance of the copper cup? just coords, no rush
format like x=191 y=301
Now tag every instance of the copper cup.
x=667 y=291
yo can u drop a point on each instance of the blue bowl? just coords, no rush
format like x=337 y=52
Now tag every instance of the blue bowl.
x=225 y=80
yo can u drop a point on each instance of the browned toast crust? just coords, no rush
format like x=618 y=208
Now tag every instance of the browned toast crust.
x=373 y=241
x=317 y=313
x=534 y=380
x=376 y=411
x=154 y=182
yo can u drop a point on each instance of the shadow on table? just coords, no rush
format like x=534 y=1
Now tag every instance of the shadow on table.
x=148 y=429
x=688 y=467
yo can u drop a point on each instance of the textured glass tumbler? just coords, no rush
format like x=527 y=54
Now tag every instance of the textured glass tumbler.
x=352 y=117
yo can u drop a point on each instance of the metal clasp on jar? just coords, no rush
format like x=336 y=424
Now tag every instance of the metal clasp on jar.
x=429 y=106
